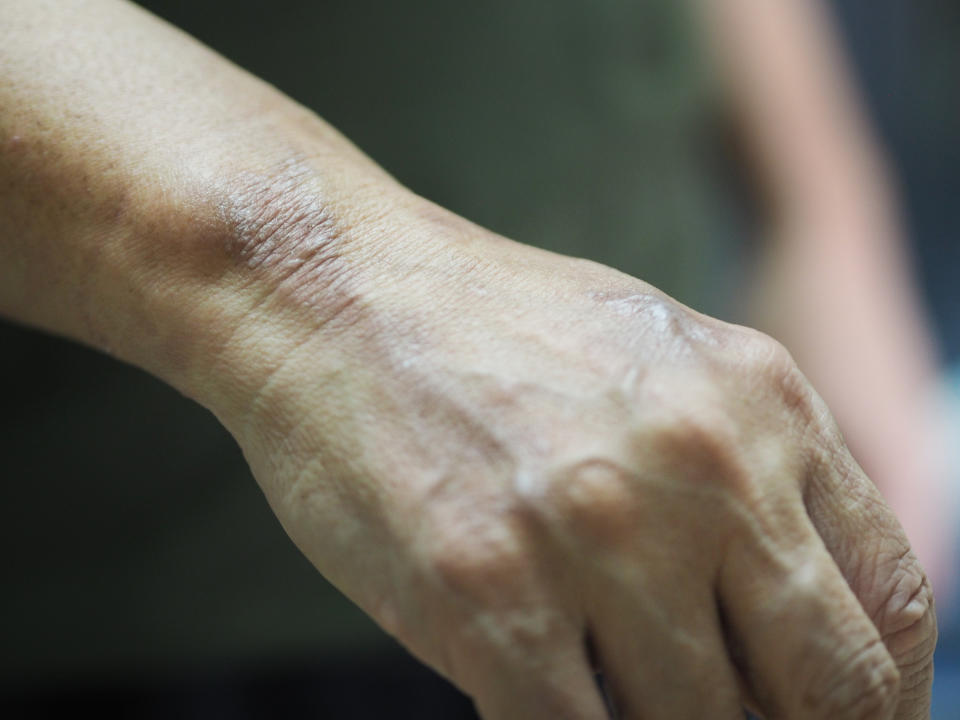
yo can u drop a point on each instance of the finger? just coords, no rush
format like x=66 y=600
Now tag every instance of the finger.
x=807 y=648
x=661 y=647
x=515 y=674
x=872 y=552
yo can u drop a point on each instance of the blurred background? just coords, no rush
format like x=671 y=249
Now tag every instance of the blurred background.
x=145 y=576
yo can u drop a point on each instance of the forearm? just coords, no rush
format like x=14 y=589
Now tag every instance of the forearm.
x=835 y=282
x=146 y=184
x=854 y=320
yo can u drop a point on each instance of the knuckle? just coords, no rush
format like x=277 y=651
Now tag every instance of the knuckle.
x=865 y=686
x=763 y=351
x=703 y=434
x=595 y=498
x=771 y=362
x=794 y=390
x=478 y=563
x=702 y=448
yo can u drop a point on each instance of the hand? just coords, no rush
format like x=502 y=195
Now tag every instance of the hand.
x=525 y=466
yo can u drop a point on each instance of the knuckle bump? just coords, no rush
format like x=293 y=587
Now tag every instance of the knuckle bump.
x=595 y=497
x=478 y=563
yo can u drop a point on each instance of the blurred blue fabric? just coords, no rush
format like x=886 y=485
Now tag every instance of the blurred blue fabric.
x=946 y=684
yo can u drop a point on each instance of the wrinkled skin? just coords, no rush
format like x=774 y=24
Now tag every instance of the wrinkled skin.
x=527 y=467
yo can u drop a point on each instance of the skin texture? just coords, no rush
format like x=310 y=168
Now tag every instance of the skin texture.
x=524 y=466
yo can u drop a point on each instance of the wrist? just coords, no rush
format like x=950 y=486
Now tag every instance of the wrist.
x=279 y=258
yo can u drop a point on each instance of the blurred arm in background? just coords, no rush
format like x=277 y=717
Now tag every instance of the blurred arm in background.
x=835 y=280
